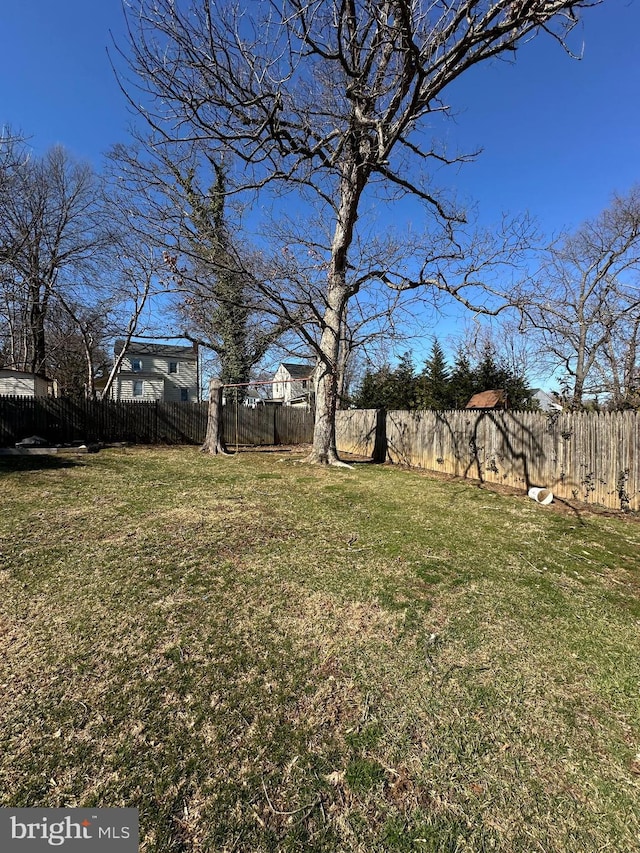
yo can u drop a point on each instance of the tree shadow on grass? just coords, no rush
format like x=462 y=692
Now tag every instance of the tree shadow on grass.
x=36 y=462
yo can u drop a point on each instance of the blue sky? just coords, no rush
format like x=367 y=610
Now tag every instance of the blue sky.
x=558 y=136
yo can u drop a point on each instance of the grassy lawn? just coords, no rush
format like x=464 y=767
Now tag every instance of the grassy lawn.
x=265 y=656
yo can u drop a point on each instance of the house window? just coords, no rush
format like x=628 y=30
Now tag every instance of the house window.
x=304 y=383
x=136 y=365
x=184 y=395
x=173 y=367
x=137 y=388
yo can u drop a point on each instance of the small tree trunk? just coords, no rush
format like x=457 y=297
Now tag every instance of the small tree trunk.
x=213 y=442
x=38 y=339
x=344 y=354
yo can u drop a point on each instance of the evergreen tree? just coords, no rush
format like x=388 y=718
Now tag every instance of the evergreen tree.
x=389 y=389
x=374 y=390
x=488 y=373
x=462 y=381
x=434 y=383
x=491 y=373
x=438 y=387
x=404 y=385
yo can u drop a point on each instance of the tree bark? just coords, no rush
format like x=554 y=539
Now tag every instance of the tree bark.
x=38 y=339
x=324 y=449
x=214 y=442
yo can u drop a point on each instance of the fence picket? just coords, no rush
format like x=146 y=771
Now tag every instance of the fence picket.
x=584 y=455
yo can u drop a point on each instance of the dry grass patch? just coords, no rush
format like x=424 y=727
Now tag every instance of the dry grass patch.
x=263 y=656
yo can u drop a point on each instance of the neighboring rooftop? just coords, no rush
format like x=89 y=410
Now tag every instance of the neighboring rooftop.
x=546 y=402
x=8 y=370
x=149 y=348
x=488 y=400
x=298 y=371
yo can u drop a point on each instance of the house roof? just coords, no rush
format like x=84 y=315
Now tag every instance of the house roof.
x=149 y=348
x=14 y=371
x=546 y=401
x=488 y=400
x=298 y=371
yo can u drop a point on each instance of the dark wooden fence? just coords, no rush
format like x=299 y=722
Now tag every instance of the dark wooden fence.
x=64 y=421
x=266 y=425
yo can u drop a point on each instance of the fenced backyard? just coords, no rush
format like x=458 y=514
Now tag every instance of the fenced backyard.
x=265 y=657
x=589 y=457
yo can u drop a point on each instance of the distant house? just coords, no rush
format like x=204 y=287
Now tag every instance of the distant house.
x=21 y=383
x=293 y=384
x=152 y=371
x=487 y=400
x=546 y=402
x=251 y=399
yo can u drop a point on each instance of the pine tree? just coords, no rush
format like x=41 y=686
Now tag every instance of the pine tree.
x=404 y=384
x=434 y=383
x=492 y=373
x=461 y=381
x=374 y=391
x=389 y=389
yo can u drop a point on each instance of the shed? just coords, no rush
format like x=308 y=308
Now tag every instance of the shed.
x=496 y=399
x=22 y=383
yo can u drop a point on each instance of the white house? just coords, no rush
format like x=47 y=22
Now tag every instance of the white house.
x=152 y=371
x=293 y=384
x=21 y=383
x=546 y=402
x=251 y=399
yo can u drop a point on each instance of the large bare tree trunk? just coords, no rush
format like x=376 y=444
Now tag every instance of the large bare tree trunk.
x=213 y=442
x=36 y=328
x=324 y=449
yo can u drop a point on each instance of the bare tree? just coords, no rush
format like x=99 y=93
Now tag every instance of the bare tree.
x=182 y=207
x=76 y=345
x=51 y=229
x=587 y=303
x=13 y=341
x=620 y=370
x=73 y=275
x=330 y=101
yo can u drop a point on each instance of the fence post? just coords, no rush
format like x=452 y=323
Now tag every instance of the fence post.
x=380 y=441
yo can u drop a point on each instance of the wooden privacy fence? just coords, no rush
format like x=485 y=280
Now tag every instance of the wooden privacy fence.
x=592 y=457
x=266 y=425
x=62 y=421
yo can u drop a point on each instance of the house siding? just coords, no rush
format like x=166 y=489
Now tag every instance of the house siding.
x=152 y=387
x=158 y=382
x=286 y=391
x=279 y=387
x=23 y=385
